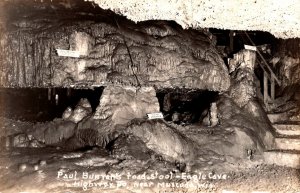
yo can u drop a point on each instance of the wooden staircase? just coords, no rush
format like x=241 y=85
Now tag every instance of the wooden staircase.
x=269 y=78
x=286 y=151
x=287 y=145
x=287 y=141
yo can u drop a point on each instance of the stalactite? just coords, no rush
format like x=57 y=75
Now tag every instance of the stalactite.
x=11 y=53
x=50 y=64
x=43 y=46
x=39 y=59
x=2 y=80
x=33 y=62
x=19 y=54
x=24 y=63
x=27 y=61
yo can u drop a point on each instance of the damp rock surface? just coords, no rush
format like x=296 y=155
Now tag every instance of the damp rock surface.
x=82 y=110
x=243 y=86
x=267 y=15
x=112 y=50
x=52 y=132
x=165 y=140
x=122 y=104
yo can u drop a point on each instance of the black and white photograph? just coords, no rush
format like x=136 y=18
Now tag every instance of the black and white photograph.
x=149 y=96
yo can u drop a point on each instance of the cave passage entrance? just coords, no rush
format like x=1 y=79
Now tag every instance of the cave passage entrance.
x=35 y=104
x=185 y=106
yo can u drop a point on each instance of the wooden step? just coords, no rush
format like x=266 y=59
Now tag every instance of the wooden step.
x=289 y=128
x=278 y=117
x=288 y=143
x=283 y=158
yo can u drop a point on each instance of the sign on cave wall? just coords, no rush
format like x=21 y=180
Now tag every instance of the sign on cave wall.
x=68 y=53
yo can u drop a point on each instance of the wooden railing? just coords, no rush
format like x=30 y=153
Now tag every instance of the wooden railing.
x=269 y=75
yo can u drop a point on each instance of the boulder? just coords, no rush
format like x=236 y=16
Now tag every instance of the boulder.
x=164 y=139
x=130 y=147
x=20 y=140
x=251 y=120
x=289 y=70
x=82 y=110
x=52 y=132
x=67 y=113
x=59 y=132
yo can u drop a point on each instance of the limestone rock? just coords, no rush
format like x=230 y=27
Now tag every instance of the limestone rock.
x=35 y=143
x=214 y=14
x=82 y=110
x=130 y=147
x=20 y=140
x=59 y=132
x=243 y=79
x=238 y=144
x=82 y=42
x=53 y=132
x=122 y=104
x=67 y=113
x=164 y=140
x=290 y=70
x=113 y=51
x=251 y=120
x=118 y=106
x=213 y=115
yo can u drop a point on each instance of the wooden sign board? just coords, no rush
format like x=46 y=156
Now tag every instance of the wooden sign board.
x=155 y=116
x=68 y=53
x=253 y=48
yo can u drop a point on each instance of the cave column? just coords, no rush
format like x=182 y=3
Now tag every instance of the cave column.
x=242 y=68
x=121 y=104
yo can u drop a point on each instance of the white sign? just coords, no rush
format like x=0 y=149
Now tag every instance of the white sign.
x=247 y=47
x=155 y=116
x=68 y=53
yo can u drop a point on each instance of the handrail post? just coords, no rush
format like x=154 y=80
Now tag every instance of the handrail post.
x=263 y=59
x=272 y=87
x=265 y=87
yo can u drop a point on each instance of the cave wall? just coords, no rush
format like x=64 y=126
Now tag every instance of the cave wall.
x=112 y=50
x=287 y=61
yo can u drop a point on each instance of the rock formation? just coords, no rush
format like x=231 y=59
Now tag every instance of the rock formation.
x=82 y=110
x=111 y=50
x=268 y=15
x=165 y=140
x=119 y=105
x=243 y=86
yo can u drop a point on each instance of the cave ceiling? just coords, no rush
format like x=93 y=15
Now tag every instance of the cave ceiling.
x=280 y=18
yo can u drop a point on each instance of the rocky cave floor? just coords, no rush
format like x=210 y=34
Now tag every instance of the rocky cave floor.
x=53 y=169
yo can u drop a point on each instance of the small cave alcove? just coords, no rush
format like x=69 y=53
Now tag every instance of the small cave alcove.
x=42 y=104
x=185 y=106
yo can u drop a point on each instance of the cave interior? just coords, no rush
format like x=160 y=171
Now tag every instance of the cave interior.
x=77 y=83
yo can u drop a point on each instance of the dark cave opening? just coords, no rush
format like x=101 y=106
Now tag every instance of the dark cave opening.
x=36 y=105
x=184 y=106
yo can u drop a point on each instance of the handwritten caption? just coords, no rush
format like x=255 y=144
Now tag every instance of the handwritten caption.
x=91 y=180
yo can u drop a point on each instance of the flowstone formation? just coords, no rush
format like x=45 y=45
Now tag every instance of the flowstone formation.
x=132 y=62
x=243 y=87
x=165 y=140
x=110 y=50
x=119 y=105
